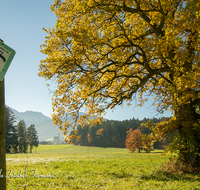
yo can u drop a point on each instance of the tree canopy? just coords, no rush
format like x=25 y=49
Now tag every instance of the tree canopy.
x=133 y=140
x=32 y=138
x=11 y=131
x=22 y=136
x=102 y=53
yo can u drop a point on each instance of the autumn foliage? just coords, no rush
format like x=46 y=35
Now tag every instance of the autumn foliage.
x=102 y=53
x=90 y=138
x=133 y=140
x=99 y=132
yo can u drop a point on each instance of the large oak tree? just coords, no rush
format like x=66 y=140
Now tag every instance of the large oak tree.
x=102 y=53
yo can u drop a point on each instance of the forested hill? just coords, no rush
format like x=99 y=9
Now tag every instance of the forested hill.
x=110 y=133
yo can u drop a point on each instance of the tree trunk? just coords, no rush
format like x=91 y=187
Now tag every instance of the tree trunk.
x=189 y=132
x=2 y=138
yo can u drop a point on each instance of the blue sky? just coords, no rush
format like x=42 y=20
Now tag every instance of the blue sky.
x=21 y=29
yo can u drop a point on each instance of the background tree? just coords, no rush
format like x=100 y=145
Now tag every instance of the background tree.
x=90 y=139
x=32 y=138
x=109 y=51
x=133 y=140
x=99 y=137
x=11 y=131
x=147 y=142
x=22 y=136
x=99 y=132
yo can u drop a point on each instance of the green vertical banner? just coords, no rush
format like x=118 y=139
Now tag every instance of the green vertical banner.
x=6 y=57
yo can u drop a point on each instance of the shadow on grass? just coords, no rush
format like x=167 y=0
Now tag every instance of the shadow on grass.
x=123 y=175
x=167 y=176
x=158 y=152
x=159 y=176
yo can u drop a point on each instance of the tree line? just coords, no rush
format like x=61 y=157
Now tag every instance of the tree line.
x=112 y=133
x=19 y=137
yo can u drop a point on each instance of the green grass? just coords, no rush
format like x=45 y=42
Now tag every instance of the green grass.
x=76 y=167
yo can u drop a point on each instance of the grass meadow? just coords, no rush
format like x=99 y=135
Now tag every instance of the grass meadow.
x=75 y=167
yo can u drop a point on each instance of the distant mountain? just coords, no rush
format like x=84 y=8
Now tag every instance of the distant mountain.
x=30 y=117
x=43 y=124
